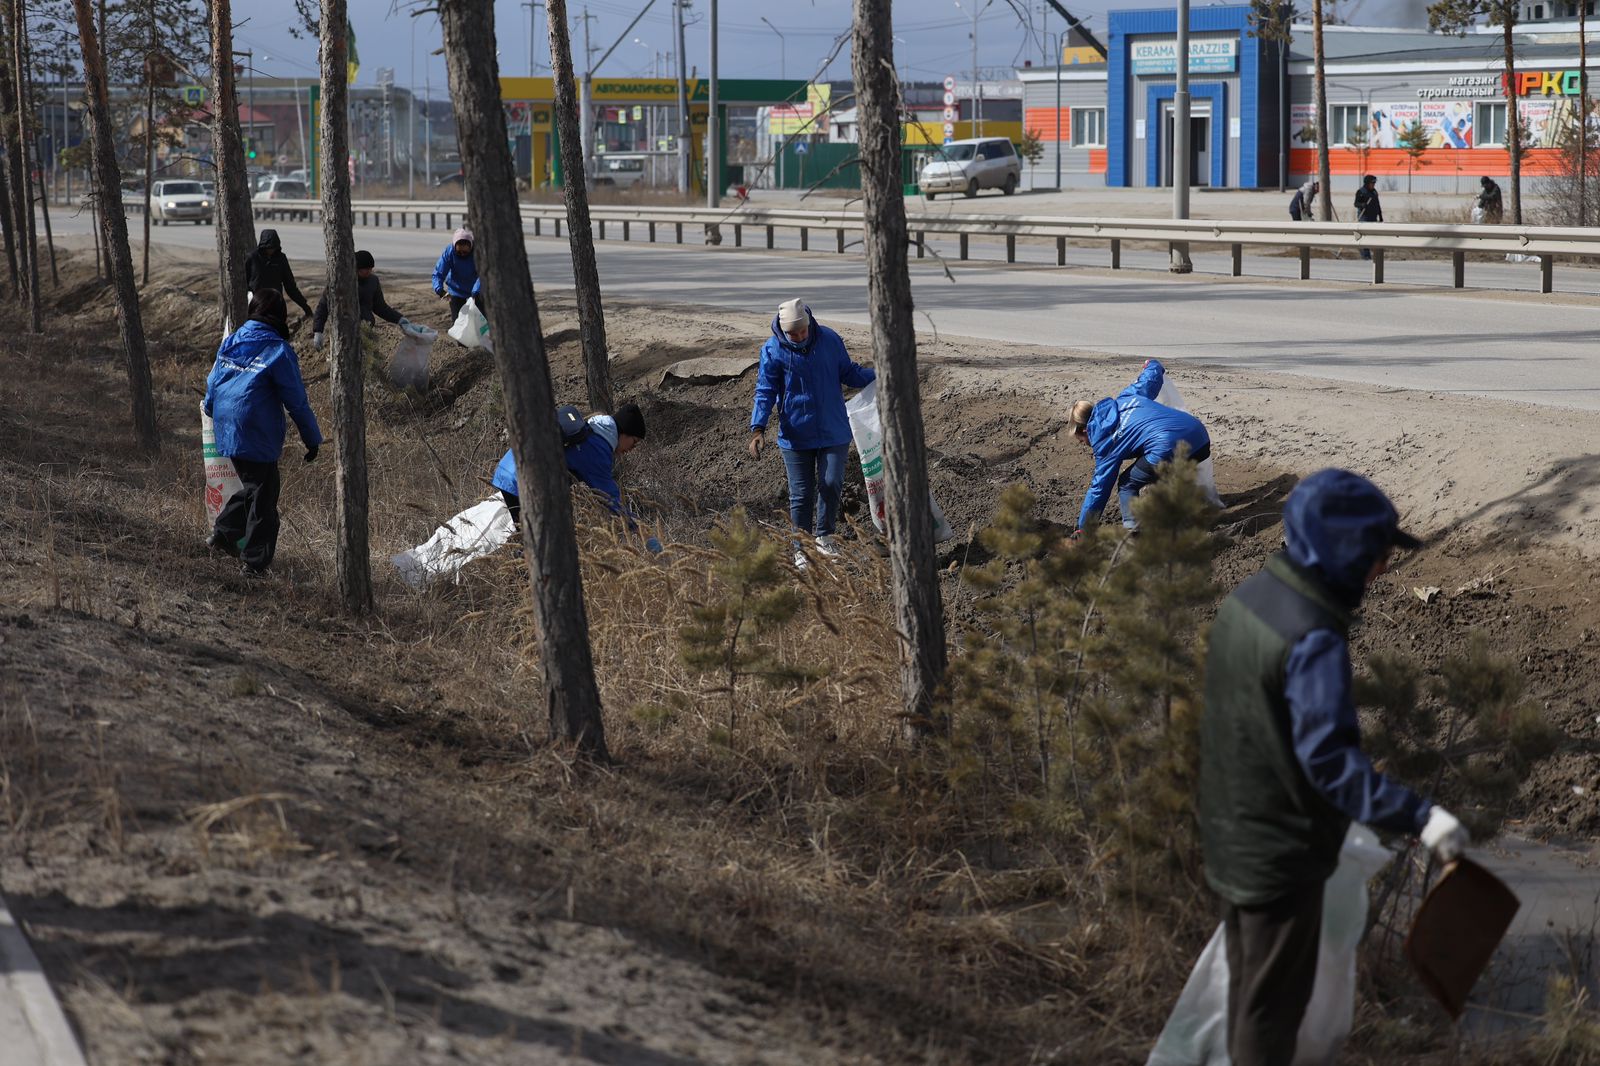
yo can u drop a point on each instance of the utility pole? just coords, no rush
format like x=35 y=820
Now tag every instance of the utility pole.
x=713 y=125
x=977 y=93
x=585 y=103
x=683 y=101
x=1060 y=45
x=1181 y=263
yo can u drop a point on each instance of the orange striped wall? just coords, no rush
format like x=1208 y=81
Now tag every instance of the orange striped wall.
x=1097 y=160
x=1393 y=162
x=1042 y=120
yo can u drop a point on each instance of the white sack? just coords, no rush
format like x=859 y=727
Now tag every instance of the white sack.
x=409 y=367
x=472 y=534
x=1196 y=1033
x=222 y=480
x=1169 y=396
x=471 y=328
x=868 y=433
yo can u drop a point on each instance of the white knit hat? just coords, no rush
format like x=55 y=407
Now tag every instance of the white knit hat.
x=792 y=313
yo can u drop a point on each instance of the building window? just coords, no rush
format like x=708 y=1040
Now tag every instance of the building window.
x=1345 y=120
x=1088 y=127
x=1490 y=128
x=1538 y=11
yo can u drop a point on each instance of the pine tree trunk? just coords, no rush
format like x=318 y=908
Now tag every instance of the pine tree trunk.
x=1513 y=118
x=38 y=159
x=114 y=224
x=10 y=238
x=919 y=614
x=352 y=554
x=572 y=699
x=149 y=136
x=16 y=169
x=236 y=227
x=19 y=44
x=1320 y=89
x=1583 y=117
x=585 y=273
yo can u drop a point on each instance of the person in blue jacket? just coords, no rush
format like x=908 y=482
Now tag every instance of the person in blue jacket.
x=256 y=376
x=589 y=460
x=1282 y=772
x=803 y=366
x=455 y=275
x=1132 y=426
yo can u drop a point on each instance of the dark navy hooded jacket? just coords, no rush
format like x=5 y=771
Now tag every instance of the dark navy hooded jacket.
x=802 y=381
x=1336 y=524
x=590 y=462
x=1134 y=426
x=255 y=377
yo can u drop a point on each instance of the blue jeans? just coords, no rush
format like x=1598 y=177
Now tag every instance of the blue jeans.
x=813 y=473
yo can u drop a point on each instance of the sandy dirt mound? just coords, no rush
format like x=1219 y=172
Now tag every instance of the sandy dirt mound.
x=245 y=829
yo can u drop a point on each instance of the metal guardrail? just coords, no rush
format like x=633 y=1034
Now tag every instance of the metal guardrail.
x=1454 y=241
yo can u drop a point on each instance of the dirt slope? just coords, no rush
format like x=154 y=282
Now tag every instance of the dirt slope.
x=243 y=829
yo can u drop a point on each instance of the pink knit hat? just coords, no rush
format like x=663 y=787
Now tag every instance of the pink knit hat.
x=463 y=234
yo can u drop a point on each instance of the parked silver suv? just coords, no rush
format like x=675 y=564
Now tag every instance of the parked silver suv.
x=967 y=166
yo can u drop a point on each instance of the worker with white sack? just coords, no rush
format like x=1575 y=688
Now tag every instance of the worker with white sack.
x=804 y=370
x=1282 y=773
x=1132 y=426
x=370 y=304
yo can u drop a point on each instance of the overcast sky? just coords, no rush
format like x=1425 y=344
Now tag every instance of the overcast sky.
x=935 y=35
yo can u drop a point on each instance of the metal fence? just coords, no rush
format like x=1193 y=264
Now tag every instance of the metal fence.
x=737 y=223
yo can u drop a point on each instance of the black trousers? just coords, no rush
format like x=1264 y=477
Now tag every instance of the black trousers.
x=458 y=302
x=514 y=505
x=1272 y=964
x=250 y=517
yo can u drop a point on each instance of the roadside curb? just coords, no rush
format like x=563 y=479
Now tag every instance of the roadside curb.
x=33 y=1027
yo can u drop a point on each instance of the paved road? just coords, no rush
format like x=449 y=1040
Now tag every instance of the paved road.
x=1510 y=346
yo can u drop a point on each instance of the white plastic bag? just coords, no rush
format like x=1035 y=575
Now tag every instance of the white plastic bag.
x=1477 y=216
x=1169 y=396
x=471 y=328
x=868 y=433
x=222 y=480
x=1196 y=1033
x=409 y=367
x=472 y=534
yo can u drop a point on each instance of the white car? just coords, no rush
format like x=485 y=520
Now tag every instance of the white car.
x=285 y=189
x=180 y=201
x=620 y=171
x=967 y=166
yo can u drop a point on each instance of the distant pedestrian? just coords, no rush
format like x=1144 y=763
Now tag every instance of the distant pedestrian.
x=268 y=268
x=256 y=376
x=802 y=371
x=1132 y=426
x=455 y=275
x=1490 y=207
x=1304 y=198
x=369 y=300
x=1368 y=207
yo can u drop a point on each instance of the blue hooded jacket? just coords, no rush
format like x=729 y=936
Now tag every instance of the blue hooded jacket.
x=255 y=377
x=803 y=382
x=1336 y=525
x=457 y=274
x=590 y=462
x=1134 y=426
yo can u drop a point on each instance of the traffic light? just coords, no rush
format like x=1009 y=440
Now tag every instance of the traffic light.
x=250 y=147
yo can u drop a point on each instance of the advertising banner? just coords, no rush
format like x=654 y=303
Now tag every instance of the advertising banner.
x=1303 y=125
x=1385 y=122
x=1448 y=122
x=1205 y=56
x=786 y=120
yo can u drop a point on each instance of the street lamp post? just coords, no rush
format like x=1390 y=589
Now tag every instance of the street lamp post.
x=1059 y=46
x=977 y=90
x=1180 y=262
x=783 y=49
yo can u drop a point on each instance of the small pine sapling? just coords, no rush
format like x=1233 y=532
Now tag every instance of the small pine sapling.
x=730 y=634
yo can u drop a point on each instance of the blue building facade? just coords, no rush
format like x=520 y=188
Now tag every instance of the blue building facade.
x=1234 y=83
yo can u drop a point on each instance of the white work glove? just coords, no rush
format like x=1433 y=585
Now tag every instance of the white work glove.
x=1444 y=835
x=316 y=341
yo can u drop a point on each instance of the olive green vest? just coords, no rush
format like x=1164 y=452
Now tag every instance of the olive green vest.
x=1265 y=829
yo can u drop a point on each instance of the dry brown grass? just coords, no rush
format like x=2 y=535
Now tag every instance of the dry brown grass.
x=811 y=849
